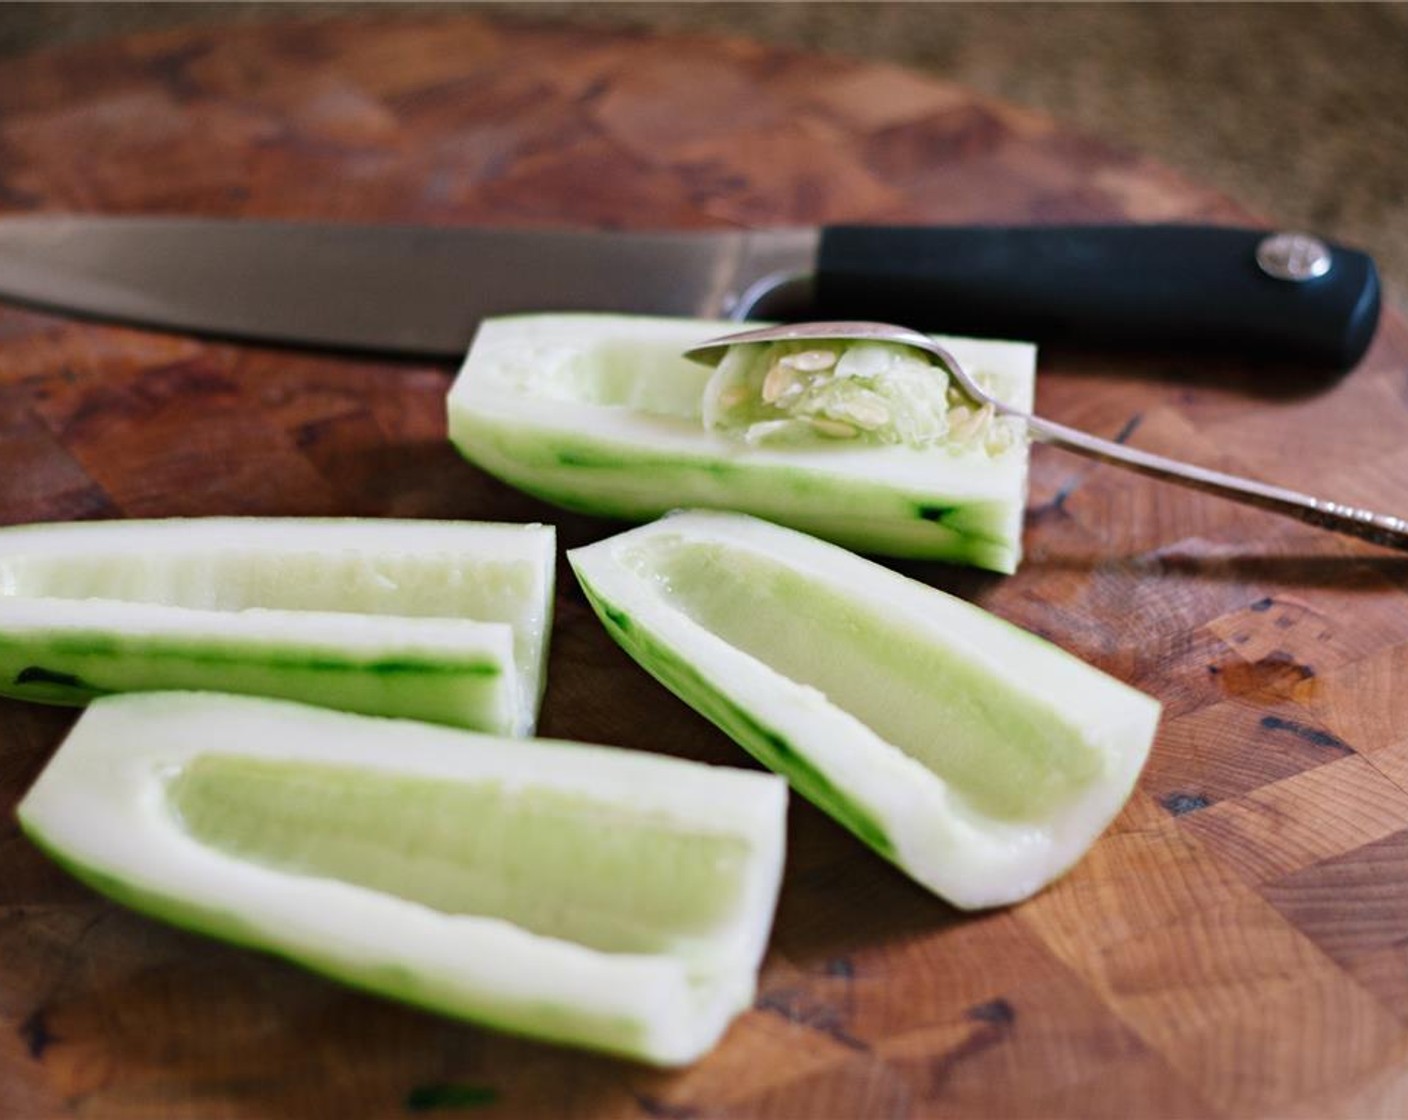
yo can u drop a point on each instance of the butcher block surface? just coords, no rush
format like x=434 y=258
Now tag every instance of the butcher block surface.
x=1235 y=945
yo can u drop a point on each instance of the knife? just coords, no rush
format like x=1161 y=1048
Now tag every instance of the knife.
x=420 y=291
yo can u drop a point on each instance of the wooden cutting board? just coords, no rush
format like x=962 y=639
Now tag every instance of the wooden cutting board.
x=1236 y=945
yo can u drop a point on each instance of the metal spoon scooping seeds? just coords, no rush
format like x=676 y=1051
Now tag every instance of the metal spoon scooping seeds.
x=1381 y=529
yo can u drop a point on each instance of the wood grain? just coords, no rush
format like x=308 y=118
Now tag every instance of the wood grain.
x=1234 y=946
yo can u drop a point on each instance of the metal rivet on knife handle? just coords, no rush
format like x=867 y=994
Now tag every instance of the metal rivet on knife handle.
x=1293 y=256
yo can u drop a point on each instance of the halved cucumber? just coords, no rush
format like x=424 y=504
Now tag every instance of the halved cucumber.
x=600 y=413
x=438 y=621
x=979 y=758
x=606 y=898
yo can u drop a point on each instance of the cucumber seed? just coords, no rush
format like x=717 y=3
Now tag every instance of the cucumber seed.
x=810 y=361
x=867 y=413
x=966 y=425
x=733 y=396
x=779 y=382
x=832 y=429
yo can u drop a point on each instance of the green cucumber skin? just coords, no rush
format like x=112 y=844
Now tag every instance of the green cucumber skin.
x=767 y=746
x=638 y=486
x=74 y=668
x=548 y=1023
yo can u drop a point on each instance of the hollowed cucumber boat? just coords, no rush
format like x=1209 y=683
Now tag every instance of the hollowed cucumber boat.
x=438 y=621
x=601 y=414
x=605 y=898
x=981 y=759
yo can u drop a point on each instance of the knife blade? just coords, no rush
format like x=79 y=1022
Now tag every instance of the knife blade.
x=420 y=291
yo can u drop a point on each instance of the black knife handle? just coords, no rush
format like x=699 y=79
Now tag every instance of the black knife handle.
x=1150 y=286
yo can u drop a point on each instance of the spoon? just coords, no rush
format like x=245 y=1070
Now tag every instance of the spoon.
x=1376 y=527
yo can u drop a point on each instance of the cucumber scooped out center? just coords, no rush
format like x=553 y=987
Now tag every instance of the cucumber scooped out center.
x=556 y=863
x=235 y=579
x=1005 y=756
x=652 y=378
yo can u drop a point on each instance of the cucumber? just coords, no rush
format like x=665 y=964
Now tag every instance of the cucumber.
x=601 y=414
x=980 y=759
x=438 y=621
x=605 y=898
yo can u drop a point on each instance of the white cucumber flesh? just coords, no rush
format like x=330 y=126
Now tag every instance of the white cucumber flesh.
x=602 y=414
x=442 y=621
x=981 y=759
x=599 y=897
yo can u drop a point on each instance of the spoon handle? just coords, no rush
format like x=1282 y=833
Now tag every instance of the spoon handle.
x=1379 y=528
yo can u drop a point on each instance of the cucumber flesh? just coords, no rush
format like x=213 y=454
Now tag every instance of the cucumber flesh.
x=981 y=759
x=438 y=621
x=601 y=414
x=599 y=897
x=552 y=862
